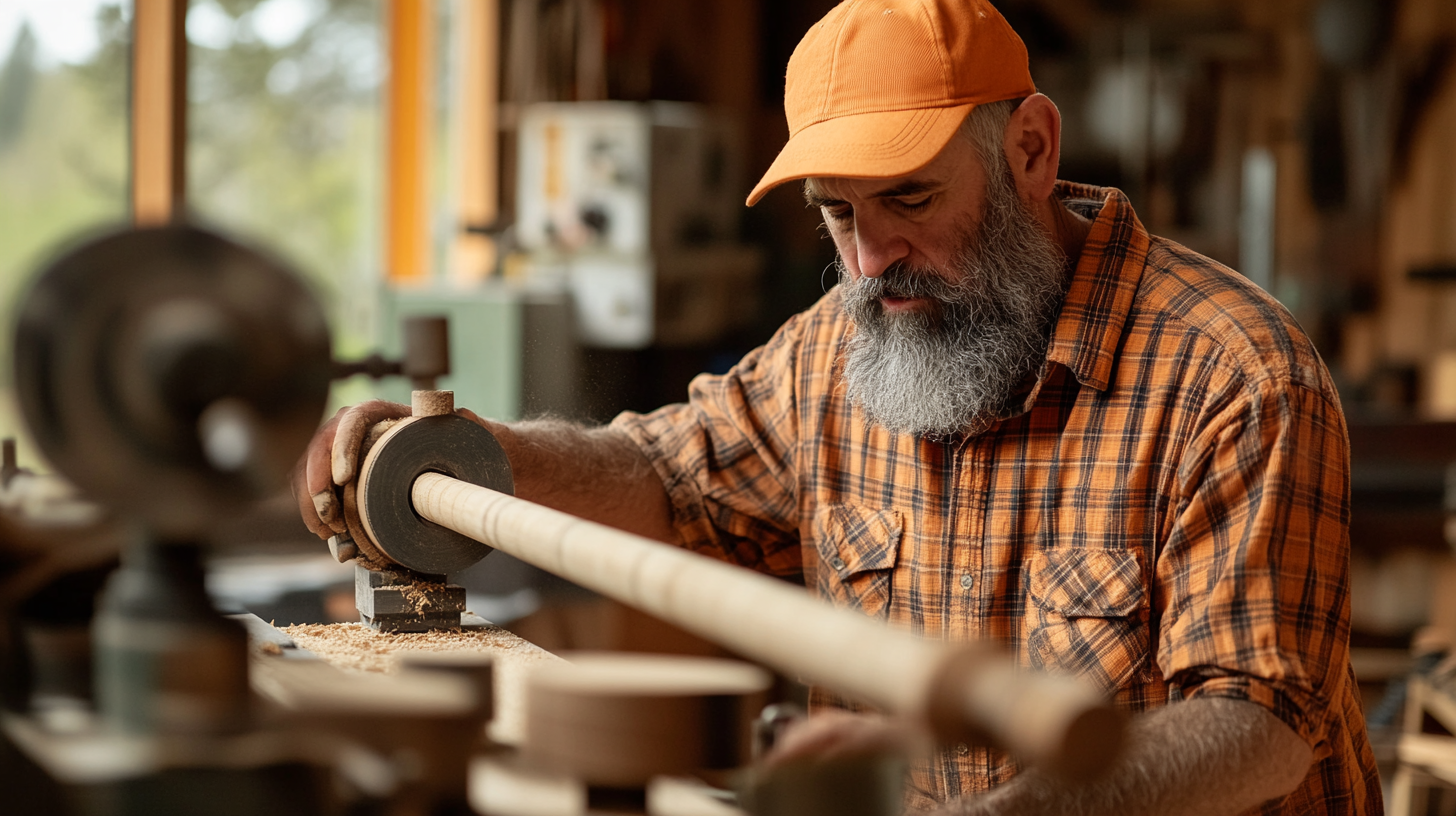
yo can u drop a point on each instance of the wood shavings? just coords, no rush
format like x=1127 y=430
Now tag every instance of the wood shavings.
x=420 y=594
x=356 y=647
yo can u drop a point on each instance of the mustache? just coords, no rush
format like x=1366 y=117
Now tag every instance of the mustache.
x=901 y=280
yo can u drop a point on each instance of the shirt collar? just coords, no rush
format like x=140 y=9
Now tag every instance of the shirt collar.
x=1103 y=286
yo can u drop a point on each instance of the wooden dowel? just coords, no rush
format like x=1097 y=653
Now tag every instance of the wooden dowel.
x=1057 y=721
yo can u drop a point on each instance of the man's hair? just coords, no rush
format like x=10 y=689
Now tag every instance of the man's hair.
x=985 y=128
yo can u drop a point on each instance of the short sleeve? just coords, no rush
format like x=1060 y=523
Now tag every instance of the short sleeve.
x=1252 y=584
x=727 y=457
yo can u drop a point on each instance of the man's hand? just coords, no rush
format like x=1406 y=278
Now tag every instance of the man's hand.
x=595 y=473
x=332 y=460
x=831 y=735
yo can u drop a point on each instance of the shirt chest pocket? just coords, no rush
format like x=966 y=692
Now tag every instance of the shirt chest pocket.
x=857 y=548
x=1087 y=615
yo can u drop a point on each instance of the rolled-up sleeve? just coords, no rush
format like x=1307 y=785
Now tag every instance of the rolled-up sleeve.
x=1252 y=583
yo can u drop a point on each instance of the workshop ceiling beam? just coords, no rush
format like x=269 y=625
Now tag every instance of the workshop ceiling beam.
x=158 y=111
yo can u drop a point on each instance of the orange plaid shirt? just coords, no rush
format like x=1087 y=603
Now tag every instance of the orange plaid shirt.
x=1163 y=512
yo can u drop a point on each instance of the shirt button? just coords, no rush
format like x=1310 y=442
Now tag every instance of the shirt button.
x=962 y=749
x=967 y=581
x=837 y=562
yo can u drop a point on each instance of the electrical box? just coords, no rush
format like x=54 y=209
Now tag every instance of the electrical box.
x=634 y=208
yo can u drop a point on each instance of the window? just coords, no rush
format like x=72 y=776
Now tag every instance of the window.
x=284 y=130
x=63 y=141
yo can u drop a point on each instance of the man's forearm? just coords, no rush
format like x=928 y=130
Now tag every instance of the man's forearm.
x=1203 y=757
x=595 y=473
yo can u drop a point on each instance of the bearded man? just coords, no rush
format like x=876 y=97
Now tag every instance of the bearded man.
x=1019 y=417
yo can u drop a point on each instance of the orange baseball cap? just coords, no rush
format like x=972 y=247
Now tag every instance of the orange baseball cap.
x=878 y=87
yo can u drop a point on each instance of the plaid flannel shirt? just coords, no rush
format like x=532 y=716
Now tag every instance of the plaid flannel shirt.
x=1164 y=512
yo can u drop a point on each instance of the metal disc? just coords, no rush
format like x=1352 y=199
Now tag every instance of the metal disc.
x=171 y=373
x=451 y=445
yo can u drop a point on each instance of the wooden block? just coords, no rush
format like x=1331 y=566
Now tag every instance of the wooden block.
x=617 y=720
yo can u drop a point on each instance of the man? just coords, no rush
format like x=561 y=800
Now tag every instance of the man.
x=1019 y=417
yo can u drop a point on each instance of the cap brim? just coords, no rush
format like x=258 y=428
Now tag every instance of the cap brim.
x=866 y=145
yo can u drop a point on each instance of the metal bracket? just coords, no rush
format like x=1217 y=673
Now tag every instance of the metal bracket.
x=398 y=600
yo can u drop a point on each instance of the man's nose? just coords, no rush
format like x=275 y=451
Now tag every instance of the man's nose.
x=877 y=247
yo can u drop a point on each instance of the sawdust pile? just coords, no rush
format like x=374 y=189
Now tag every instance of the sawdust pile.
x=356 y=647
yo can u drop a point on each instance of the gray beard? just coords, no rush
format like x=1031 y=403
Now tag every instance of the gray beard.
x=951 y=368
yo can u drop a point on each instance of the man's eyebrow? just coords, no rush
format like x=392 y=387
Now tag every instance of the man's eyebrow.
x=813 y=198
x=908 y=188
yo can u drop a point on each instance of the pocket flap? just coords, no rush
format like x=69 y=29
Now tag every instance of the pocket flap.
x=1082 y=582
x=855 y=539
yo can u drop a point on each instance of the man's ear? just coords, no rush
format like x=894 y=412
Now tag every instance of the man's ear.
x=1033 y=147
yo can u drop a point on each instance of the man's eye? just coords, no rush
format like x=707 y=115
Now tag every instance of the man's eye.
x=914 y=205
x=838 y=214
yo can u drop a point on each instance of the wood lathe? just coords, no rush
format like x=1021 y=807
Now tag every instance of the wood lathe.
x=415 y=511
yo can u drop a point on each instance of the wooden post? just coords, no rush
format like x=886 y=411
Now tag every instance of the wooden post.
x=159 y=111
x=408 y=112
x=473 y=254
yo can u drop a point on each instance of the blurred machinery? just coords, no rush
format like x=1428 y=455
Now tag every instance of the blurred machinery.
x=625 y=238
x=174 y=376
x=634 y=209
x=513 y=346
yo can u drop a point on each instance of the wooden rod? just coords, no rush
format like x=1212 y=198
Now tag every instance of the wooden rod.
x=158 y=111
x=959 y=692
x=409 y=124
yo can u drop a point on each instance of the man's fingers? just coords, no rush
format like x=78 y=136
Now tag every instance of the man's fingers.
x=319 y=479
x=318 y=476
x=311 y=477
x=349 y=435
x=306 y=509
x=326 y=505
x=343 y=462
x=837 y=734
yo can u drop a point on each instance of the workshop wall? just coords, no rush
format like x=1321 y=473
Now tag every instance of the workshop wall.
x=1417 y=318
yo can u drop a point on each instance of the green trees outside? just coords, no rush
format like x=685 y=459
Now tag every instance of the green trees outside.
x=284 y=144
x=63 y=165
x=284 y=136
